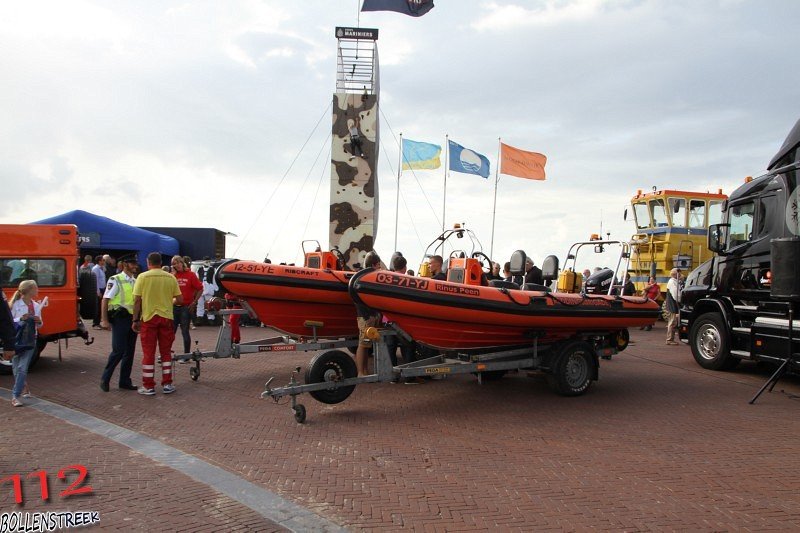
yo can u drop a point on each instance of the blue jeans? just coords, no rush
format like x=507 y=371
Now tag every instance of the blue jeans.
x=181 y=317
x=19 y=366
x=123 y=346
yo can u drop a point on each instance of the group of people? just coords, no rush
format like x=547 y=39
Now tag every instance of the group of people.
x=152 y=306
x=367 y=317
x=149 y=307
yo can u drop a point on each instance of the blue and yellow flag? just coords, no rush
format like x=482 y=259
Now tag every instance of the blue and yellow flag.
x=419 y=155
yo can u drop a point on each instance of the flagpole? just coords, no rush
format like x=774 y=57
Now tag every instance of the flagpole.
x=494 y=206
x=446 y=168
x=397 y=200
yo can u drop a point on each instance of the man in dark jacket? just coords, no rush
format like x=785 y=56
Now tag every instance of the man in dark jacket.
x=533 y=274
x=436 y=268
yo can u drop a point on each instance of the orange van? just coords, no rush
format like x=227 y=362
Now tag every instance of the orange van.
x=49 y=255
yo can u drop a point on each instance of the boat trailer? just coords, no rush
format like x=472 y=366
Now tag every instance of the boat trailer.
x=570 y=366
x=226 y=349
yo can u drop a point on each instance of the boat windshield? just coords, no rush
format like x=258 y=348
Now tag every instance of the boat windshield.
x=677 y=206
x=659 y=213
x=641 y=215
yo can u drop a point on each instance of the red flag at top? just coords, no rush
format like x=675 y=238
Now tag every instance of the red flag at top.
x=521 y=163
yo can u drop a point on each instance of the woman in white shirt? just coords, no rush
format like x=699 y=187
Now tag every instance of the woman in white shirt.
x=26 y=313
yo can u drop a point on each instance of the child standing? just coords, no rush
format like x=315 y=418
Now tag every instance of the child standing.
x=27 y=315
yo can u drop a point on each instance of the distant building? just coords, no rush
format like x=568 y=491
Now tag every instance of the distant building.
x=196 y=242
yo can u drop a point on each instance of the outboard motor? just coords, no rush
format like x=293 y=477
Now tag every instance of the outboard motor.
x=600 y=281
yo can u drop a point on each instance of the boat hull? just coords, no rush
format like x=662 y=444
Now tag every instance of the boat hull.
x=285 y=297
x=454 y=316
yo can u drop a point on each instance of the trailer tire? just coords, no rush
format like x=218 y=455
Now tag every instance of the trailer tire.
x=710 y=343
x=572 y=369
x=334 y=365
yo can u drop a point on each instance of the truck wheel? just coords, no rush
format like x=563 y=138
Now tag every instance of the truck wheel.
x=571 y=372
x=710 y=343
x=334 y=365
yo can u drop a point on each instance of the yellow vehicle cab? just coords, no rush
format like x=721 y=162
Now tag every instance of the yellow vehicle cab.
x=671 y=232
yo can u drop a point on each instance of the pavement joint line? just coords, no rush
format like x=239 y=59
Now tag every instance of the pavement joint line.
x=266 y=503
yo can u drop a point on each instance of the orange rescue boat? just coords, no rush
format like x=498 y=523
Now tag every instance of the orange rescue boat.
x=289 y=298
x=450 y=315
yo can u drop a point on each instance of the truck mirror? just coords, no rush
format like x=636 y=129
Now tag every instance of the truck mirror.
x=724 y=206
x=717 y=237
x=625 y=214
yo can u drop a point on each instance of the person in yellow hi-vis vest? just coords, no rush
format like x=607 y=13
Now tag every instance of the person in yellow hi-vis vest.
x=117 y=308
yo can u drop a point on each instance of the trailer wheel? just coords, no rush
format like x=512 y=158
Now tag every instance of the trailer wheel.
x=300 y=413
x=194 y=373
x=334 y=365
x=571 y=372
x=710 y=343
x=622 y=339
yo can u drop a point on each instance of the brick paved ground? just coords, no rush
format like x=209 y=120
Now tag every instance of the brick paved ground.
x=657 y=444
x=130 y=492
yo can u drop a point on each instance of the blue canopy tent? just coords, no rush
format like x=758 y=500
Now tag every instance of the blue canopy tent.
x=102 y=233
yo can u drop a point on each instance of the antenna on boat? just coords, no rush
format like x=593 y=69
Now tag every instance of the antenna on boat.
x=601 y=221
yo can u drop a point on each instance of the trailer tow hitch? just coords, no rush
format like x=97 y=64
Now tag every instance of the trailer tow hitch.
x=298 y=408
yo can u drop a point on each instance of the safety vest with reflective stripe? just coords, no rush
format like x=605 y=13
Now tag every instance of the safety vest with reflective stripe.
x=124 y=296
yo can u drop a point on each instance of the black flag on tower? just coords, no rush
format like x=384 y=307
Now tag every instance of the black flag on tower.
x=414 y=8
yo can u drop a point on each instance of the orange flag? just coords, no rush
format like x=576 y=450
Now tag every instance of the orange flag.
x=520 y=163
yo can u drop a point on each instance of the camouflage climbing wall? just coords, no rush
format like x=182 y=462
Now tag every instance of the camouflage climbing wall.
x=354 y=181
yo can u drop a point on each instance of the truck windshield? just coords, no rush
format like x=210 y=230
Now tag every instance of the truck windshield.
x=677 y=206
x=658 y=213
x=740 y=217
x=697 y=213
x=45 y=272
x=641 y=215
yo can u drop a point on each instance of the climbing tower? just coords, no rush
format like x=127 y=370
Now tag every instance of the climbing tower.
x=354 y=180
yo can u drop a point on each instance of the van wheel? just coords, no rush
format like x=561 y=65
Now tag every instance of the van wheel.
x=6 y=370
x=572 y=370
x=710 y=343
x=40 y=344
x=88 y=294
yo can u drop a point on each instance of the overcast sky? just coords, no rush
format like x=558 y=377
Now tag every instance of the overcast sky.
x=190 y=113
